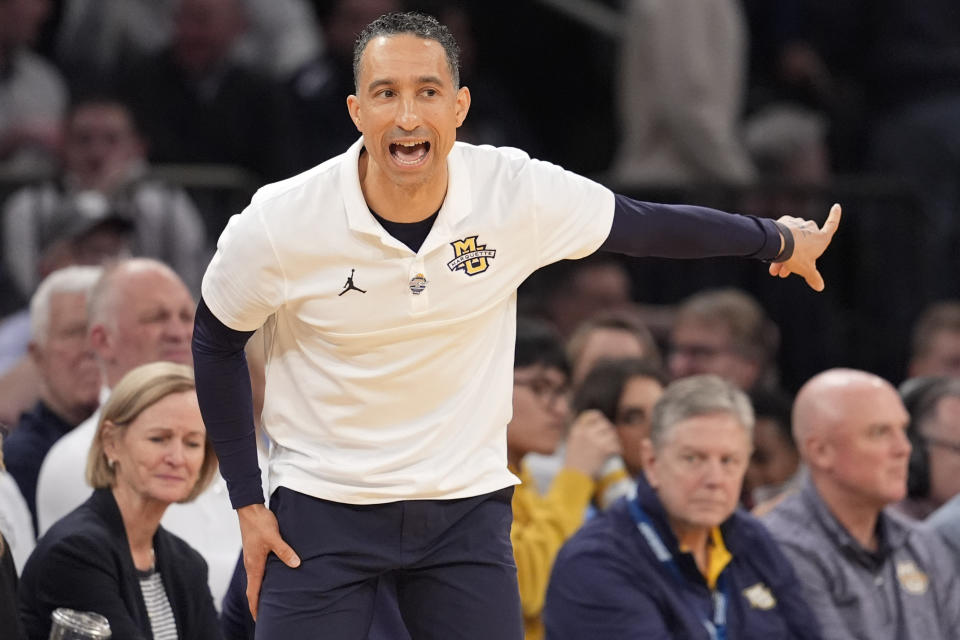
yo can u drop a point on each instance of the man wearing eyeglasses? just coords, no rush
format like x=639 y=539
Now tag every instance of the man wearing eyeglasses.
x=725 y=332
x=934 y=473
x=541 y=413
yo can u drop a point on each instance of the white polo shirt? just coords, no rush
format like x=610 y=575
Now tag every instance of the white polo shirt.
x=399 y=387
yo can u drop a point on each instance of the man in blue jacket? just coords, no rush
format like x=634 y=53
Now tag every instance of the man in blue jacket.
x=679 y=560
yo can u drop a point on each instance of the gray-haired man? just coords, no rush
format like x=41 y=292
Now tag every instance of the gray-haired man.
x=680 y=560
x=69 y=378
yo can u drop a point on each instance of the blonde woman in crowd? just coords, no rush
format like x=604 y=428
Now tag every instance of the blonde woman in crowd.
x=110 y=555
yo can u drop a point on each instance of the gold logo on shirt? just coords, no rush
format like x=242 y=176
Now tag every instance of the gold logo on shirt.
x=473 y=258
x=912 y=579
x=759 y=597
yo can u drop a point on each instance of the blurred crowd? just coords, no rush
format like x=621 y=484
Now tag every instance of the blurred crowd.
x=139 y=127
x=768 y=108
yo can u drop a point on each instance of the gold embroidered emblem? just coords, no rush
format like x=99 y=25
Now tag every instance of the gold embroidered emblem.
x=470 y=256
x=912 y=579
x=759 y=597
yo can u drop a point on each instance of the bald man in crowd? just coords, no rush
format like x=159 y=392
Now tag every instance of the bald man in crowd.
x=867 y=572
x=140 y=311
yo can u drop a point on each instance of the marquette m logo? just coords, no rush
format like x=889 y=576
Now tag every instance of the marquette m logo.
x=473 y=258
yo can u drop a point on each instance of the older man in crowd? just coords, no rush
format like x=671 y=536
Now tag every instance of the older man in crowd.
x=679 y=559
x=69 y=378
x=725 y=332
x=866 y=571
x=935 y=343
x=140 y=312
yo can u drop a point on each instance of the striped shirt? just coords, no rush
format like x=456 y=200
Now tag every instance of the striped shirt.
x=162 y=623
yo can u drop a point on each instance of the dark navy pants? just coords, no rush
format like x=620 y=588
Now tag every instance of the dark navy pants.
x=451 y=561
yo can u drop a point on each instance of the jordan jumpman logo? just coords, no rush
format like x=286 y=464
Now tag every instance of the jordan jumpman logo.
x=349 y=285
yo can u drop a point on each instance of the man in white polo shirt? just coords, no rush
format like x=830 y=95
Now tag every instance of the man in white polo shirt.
x=386 y=281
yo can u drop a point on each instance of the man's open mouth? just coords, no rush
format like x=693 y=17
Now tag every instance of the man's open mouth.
x=409 y=153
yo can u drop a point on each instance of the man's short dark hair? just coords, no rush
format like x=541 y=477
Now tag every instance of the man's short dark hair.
x=539 y=344
x=775 y=405
x=417 y=24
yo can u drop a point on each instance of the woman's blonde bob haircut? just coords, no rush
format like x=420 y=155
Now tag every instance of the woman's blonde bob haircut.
x=140 y=389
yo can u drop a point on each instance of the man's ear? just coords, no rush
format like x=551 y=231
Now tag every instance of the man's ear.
x=463 y=104
x=353 y=108
x=36 y=353
x=820 y=452
x=100 y=341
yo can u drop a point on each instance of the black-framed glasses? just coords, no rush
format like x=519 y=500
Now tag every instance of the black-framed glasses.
x=546 y=391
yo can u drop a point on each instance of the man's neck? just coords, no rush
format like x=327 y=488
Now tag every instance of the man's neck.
x=694 y=540
x=72 y=415
x=400 y=203
x=858 y=518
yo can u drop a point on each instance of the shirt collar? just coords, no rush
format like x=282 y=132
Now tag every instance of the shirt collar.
x=891 y=532
x=718 y=559
x=456 y=204
x=719 y=555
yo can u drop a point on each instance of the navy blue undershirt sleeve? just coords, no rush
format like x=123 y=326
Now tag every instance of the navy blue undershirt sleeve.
x=647 y=229
x=226 y=403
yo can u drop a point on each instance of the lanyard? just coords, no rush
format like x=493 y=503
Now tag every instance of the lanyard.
x=717 y=627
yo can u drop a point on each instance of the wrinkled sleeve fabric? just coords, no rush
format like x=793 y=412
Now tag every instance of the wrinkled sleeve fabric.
x=571 y=214
x=226 y=403
x=245 y=281
x=648 y=229
x=244 y=285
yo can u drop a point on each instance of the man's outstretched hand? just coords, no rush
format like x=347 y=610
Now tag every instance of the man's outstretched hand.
x=809 y=243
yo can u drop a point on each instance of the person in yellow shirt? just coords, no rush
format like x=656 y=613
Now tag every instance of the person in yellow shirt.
x=541 y=415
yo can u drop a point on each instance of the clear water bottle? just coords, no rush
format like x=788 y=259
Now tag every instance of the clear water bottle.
x=68 y=624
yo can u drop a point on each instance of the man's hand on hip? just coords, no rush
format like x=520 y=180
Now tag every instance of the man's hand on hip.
x=260 y=534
